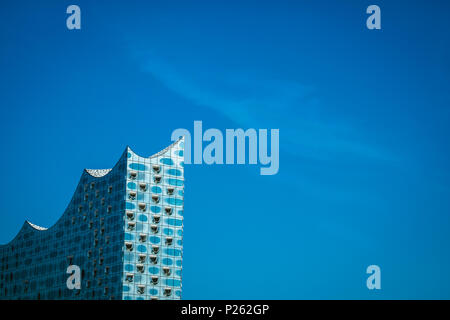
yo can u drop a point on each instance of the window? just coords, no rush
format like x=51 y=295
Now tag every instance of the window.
x=157 y=179
x=142 y=258
x=110 y=189
x=154 y=298
x=131 y=225
x=143 y=186
x=170 y=190
x=166 y=271
x=168 y=210
x=155 y=249
x=156 y=168
x=142 y=237
x=109 y=209
x=133 y=175
x=140 y=268
x=141 y=289
x=155 y=280
x=153 y=259
x=130 y=215
x=129 y=246
x=142 y=206
x=129 y=277
x=132 y=195
x=155 y=198
x=167 y=292
x=156 y=218
x=154 y=228
x=169 y=241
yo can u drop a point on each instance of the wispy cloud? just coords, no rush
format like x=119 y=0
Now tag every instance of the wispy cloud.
x=252 y=101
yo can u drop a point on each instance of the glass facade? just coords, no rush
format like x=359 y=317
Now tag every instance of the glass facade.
x=123 y=228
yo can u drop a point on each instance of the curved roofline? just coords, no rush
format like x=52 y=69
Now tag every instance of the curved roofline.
x=96 y=173
x=26 y=225
x=160 y=152
x=36 y=228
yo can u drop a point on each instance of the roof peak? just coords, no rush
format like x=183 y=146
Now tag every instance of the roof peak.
x=98 y=173
x=160 y=152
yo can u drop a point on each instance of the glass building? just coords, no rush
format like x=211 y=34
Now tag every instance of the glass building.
x=123 y=228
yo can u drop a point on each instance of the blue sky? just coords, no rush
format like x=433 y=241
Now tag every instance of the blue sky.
x=363 y=118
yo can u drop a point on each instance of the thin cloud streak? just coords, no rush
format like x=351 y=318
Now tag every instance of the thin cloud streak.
x=250 y=101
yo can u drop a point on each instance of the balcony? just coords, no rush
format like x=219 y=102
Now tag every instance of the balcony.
x=167 y=292
x=167 y=271
x=141 y=289
x=156 y=168
x=155 y=198
x=132 y=195
x=133 y=175
x=153 y=259
x=154 y=228
x=129 y=277
x=129 y=246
